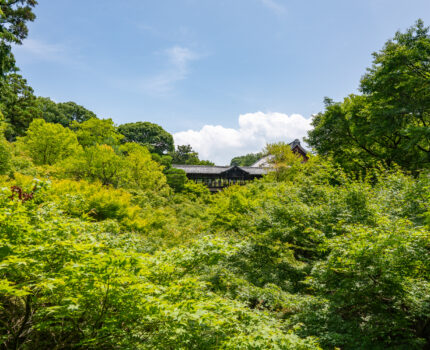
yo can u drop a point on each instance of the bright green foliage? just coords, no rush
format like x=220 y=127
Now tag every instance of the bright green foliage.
x=186 y=155
x=97 y=202
x=5 y=156
x=63 y=113
x=398 y=88
x=96 y=132
x=375 y=281
x=263 y=266
x=48 y=143
x=390 y=122
x=105 y=255
x=283 y=160
x=247 y=160
x=95 y=163
x=150 y=135
x=140 y=171
x=66 y=281
x=194 y=190
x=82 y=199
x=332 y=130
x=132 y=168
x=5 y=150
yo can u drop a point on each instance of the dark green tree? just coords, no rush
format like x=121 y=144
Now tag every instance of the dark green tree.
x=390 y=121
x=148 y=134
x=16 y=97
x=63 y=113
x=13 y=29
x=18 y=105
x=184 y=154
x=176 y=179
x=247 y=159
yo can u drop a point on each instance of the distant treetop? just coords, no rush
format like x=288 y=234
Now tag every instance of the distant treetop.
x=63 y=113
x=247 y=160
x=148 y=134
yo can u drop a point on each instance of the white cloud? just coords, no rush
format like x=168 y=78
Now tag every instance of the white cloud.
x=274 y=6
x=220 y=144
x=177 y=69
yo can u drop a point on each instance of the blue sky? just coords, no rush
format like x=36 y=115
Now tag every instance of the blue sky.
x=224 y=75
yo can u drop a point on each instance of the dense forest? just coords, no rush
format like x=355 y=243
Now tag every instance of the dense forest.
x=104 y=245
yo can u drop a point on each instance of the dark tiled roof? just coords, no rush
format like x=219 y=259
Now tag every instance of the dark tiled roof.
x=254 y=171
x=296 y=143
x=217 y=170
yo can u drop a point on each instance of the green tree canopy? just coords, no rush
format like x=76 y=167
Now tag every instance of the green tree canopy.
x=18 y=105
x=247 y=159
x=63 y=113
x=140 y=171
x=176 y=179
x=390 y=122
x=48 y=143
x=96 y=132
x=13 y=29
x=184 y=154
x=95 y=163
x=148 y=134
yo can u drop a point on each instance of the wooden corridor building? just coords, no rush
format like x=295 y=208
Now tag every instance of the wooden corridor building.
x=218 y=177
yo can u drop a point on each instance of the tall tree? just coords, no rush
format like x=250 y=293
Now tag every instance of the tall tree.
x=13 y=29
x=148 y=134
x=95 y=163
x=18 y=105
x=16 y=97
x=48 y=143
x=63 y=113
x=97 y=132
x=390 y=121
x=140 y=171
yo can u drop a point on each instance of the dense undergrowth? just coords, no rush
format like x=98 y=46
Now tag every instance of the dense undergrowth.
x=311 y=260
x=103 y=245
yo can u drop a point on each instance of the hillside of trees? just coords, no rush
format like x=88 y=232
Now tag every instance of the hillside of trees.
x=103 y=245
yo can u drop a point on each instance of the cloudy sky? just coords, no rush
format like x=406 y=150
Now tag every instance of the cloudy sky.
x=225 y=76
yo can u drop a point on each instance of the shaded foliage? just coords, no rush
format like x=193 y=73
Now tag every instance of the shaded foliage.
x=18 y=105
x=64 y=113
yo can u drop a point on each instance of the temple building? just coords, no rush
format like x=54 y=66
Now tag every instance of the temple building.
x=218 y=177
x=296 y=147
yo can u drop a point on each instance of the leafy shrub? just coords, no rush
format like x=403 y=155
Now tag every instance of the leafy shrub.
x=65 y=281
x=176 y=179
x=48 y=143
x=375 y=283
x=5 y=156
